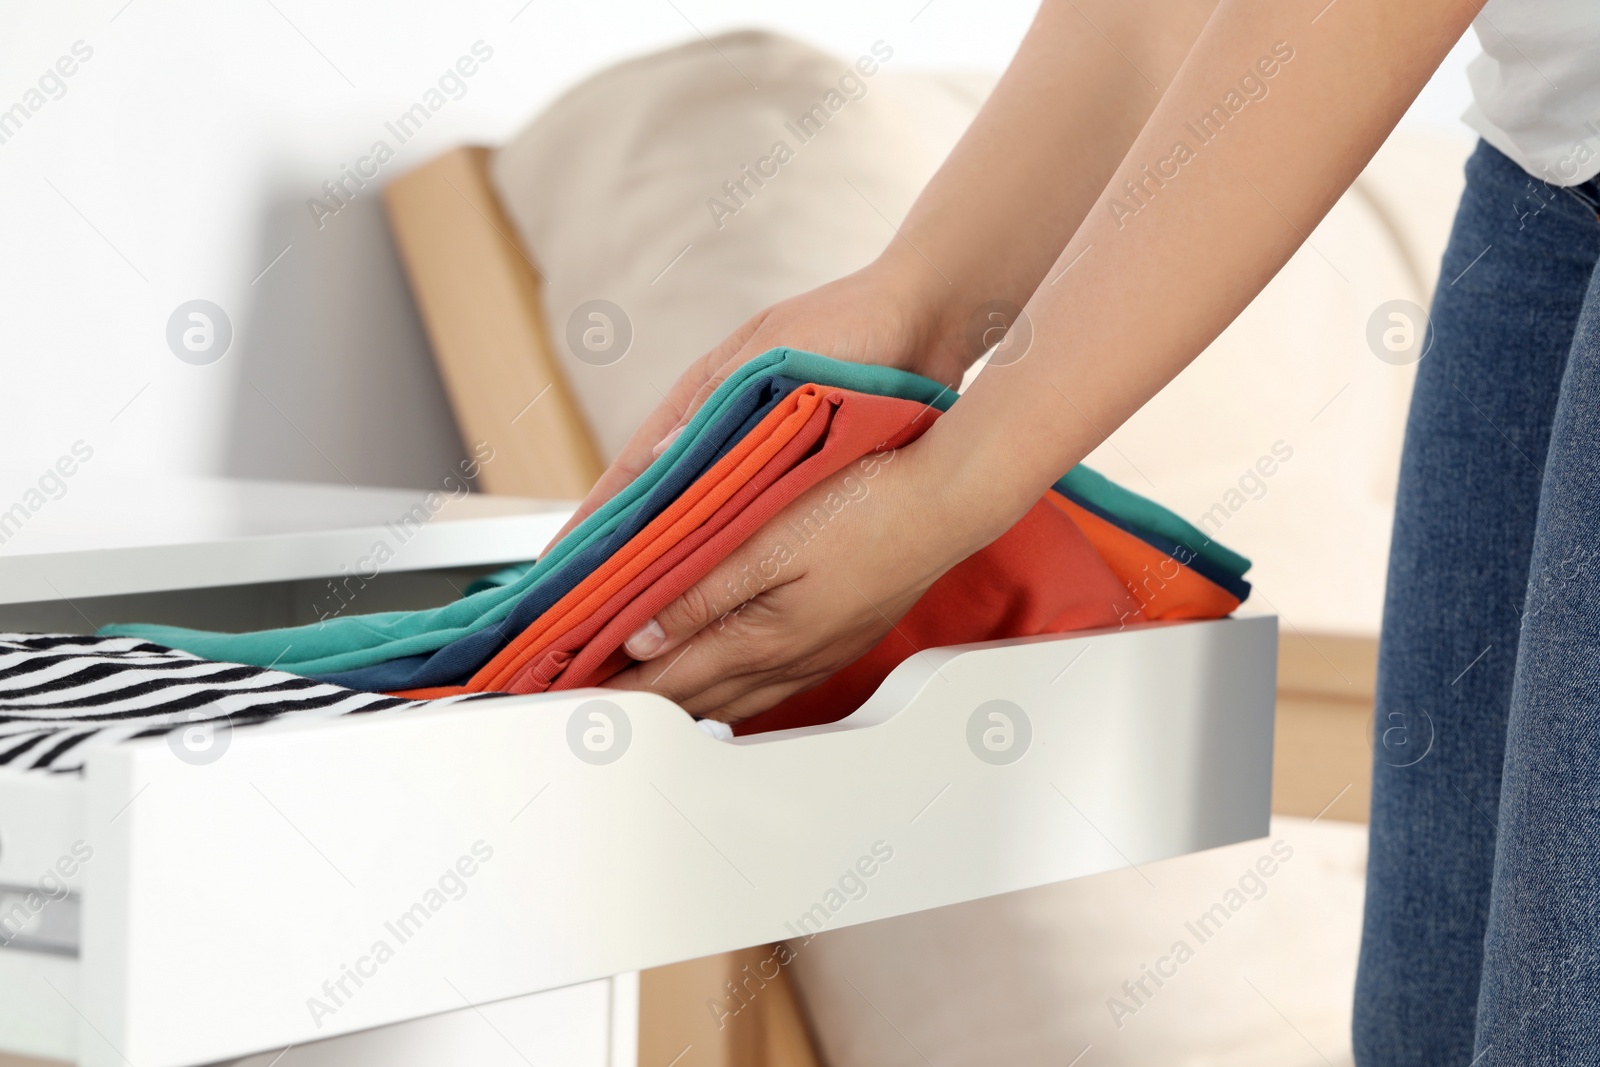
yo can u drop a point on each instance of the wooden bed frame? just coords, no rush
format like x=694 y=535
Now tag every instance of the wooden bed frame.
x=477 y=290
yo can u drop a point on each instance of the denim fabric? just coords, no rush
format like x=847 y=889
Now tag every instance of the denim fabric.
x=1482 y=919
x=460 y=659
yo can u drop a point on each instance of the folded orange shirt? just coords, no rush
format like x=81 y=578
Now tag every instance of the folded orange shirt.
x=1164 y=587
x=1043 y=576
x=806 y=417
x=547 y=661
x=863 y=424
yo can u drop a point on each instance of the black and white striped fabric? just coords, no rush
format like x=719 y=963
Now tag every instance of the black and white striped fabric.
x=63 y=695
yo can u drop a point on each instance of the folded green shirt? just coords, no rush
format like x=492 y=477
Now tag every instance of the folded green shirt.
x=352 y=641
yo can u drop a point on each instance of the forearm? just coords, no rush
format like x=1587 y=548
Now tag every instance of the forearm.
x=1021 y=180
x=1156 y=273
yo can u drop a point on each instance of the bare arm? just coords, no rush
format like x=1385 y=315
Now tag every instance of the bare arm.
x=1159 y=269
x=1086 y=77
x=1032 y=164
x=1307 y=91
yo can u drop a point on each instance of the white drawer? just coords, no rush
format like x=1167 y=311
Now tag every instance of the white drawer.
x=225 y=904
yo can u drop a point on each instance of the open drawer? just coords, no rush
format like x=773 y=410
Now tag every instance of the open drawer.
x=490 y=850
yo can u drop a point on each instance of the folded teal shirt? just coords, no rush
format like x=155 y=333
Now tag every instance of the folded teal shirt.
x=354 y=641
x=1147 y=515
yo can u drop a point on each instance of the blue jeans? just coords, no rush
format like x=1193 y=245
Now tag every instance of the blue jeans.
x=1481 y=941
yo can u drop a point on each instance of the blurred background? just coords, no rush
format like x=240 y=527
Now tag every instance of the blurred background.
x=228 y=154
x=178 y=162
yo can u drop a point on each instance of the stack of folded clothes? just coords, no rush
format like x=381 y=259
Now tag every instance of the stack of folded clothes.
x=1088 y=555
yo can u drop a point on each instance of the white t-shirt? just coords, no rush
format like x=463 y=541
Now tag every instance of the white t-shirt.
x=1536 y=88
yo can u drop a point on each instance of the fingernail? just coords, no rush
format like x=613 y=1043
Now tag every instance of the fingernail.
x=646 y=641
x=666 y=442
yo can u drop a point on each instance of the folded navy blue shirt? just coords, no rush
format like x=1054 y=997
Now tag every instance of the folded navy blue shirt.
x=456 y=662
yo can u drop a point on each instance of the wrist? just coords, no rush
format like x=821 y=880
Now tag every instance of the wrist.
x=983 y=472
x=962 y=510
x=960 y=313
x=935 y=306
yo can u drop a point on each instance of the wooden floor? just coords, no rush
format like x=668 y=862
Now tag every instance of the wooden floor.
x=1322 y=751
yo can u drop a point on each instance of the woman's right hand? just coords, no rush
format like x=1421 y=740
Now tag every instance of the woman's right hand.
x=884 y=314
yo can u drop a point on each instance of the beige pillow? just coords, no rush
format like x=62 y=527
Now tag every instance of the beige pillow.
x=618 y=191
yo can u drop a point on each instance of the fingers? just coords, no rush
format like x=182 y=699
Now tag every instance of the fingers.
x=696 y=648
x=713 y=599
x=772 y=620
x=737 y=666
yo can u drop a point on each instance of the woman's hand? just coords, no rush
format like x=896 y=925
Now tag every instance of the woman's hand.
x=891 y=313
x=787 y=609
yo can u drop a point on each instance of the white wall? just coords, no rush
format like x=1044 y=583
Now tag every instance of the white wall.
x=178 y=163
